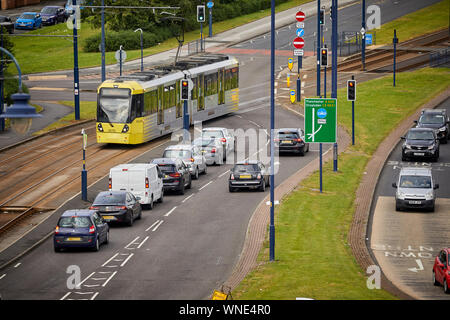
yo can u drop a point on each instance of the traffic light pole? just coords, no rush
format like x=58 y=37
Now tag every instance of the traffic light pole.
x=76 y=80
x=299 y=82
x=272 y=128
x=334 y=43
x=210 y=22
x=318 y=48
x=363 y=41
x=353 y=118
x=395 y=41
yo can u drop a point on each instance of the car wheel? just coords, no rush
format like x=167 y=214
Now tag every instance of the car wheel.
x=206 y=170
x=190 y=183
x=97 y=245
x=397 y=207
x=231 y=189
x=444 y=140
x=150 y=206
x=196 y=174
x=57 y=249
x=302 y=152
x=107 y=237
x=435 y=282
x=404 y=157
x=161 y=199
x=262 y=188
x=182 y=188
x=446 y=289
x=130 y=219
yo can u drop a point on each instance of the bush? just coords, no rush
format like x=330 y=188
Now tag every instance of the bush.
x=129 y=40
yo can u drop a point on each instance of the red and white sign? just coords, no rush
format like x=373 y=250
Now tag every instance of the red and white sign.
x=300 y=16
x=298 y=43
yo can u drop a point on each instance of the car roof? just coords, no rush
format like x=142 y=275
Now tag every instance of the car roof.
x=112 y=192
x=415 y=171
x=287 y=129
x=213 y=129
x=134 y=165
x=78 y=212
x=179 y=147
x=248 y=162
x=30 y=13
x=165 y=160
x=421 y=129
x=434 y=111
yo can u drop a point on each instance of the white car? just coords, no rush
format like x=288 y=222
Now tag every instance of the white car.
x=191 y=156
x=223 y=136
x=211 y=149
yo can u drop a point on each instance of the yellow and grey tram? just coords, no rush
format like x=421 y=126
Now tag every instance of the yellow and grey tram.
x=142 y=106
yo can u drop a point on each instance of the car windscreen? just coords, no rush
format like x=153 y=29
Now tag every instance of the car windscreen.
x=432 y=119
x=48 y=10
x=287 y=135
x=420 y=135
x=246 y=168
x=27 y=16
x=74 y=222
x=212 y=134
x=181 y=154
x=204 y=143
x=110 y=199
x=167 y=168
x=114 y=105
x=2 y=19
x=415 y=182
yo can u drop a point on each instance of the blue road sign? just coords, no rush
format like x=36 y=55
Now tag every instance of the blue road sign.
x=300 y=32
x=369 y=38
x=210 y=4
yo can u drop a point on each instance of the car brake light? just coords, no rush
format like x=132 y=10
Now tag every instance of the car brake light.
x=124 y=169
x=175 y=175
x=56 y=230
x=121 y=207
x=232 y=177
x=223 y=140
x=110 y=183
x=192 y=160
x=259 y=176
x=298 y=140
x=93 y=208
x=92 y=229
x=213 y=150
x=146 y=183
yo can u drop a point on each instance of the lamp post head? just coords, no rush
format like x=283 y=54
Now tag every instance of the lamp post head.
x=20 y=113
x=138 y=29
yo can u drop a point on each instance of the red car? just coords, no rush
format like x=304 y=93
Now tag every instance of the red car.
x=441 y=270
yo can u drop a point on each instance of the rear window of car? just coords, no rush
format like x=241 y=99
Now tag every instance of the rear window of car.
x=246 y=168
x=204 y=143
x=167 y=167
x=74 y=222
x=288 y=135
x=212 y=134
x=415 y=182
x=107 y=199
x=183 y=154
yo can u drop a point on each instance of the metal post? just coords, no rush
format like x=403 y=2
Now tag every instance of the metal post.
x=334 y=45
x=76 y=80
x=120 y=60
x=299 y=82
x=272 y=128
x=353 y=118
x=201 y=36
x=318 y=48
x=83 y=171
x=142 y=51
x=325 y=82
x=363 y=41
x=335 y=152
x=103 y=42
x=210 y=22
x=395 y=40
x=2 y=120
x=320 y=166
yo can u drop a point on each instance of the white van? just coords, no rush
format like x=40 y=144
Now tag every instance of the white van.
x=143 y=180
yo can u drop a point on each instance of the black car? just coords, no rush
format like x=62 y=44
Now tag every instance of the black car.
x=6 y=24
x=248 y=175
x=52 y=15
x=176 y=174
x=436 y=119
x=291 y=140
x=420 y=142
x=117 y=206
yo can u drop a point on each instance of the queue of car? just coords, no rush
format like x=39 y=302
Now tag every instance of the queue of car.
x=49 y=15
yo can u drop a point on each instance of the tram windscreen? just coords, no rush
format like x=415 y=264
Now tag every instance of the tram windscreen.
x=114 y=105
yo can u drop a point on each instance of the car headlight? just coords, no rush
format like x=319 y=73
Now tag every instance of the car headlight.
x=125 y=129
x=407 y=146
x=431 y=147
x=442 y=129
x=400 y=195
x=429 y=196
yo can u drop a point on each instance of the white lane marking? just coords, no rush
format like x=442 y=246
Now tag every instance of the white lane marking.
x=220 y=176
x=140 y=245
x=66 y=295
x=254 y=123
x=95 y=295
x=109 y=279
x=132 y=242
x=2 y=276
x=157 y=226
x=126 y=260
x=239 y=116
x=187 y=198
x=152 y=225
x=79 y=285
x=205 y=185
x=17 y=264
x=91 y=285
x=110 y=259
x=99 y=279
x=168 y=213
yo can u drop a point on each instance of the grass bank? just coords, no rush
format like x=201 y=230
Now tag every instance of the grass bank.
x=313 y=258
x=52 y=54
x=426 y=20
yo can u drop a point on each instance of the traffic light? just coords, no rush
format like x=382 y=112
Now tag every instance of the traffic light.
x=322 y=17
x=184 y=89
x=351 y=90
x=324 y=57
x=201 y=13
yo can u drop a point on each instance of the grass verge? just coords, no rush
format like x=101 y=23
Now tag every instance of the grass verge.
x=426 y=20
x=88 y=111
x=52 y=54
x=313 y=258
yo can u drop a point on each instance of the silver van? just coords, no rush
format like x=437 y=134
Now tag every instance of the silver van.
x=415 y=189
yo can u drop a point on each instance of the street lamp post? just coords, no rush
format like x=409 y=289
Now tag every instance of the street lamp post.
x=272 y=129
x=142 y=48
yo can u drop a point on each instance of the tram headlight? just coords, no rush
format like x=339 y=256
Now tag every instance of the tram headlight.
x=125 y=129
x=99 y=127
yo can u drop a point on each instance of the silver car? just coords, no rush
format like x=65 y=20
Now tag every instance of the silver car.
x=223 y=136
x=211 y=149
x=191 y=156
x=415 y=189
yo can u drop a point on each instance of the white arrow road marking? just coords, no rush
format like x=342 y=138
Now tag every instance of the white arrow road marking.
x=419 y=263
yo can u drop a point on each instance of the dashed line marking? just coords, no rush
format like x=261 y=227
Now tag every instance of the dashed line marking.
x=17 y=265
x=109 y=279
x=154 y=223
x=140 y=245
x=205 y=185
x=110 y=259
x=157 y=226
x=187 y=198
x=168 y=213
x=221 y=175
x=126 y=247
x=126 y=260
x=2 y=276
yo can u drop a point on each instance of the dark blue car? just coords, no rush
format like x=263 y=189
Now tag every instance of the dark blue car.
x=52 y=15
x=29 y=20
x=80 y=229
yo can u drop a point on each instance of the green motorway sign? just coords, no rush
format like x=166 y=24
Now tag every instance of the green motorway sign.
x=320 y=120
